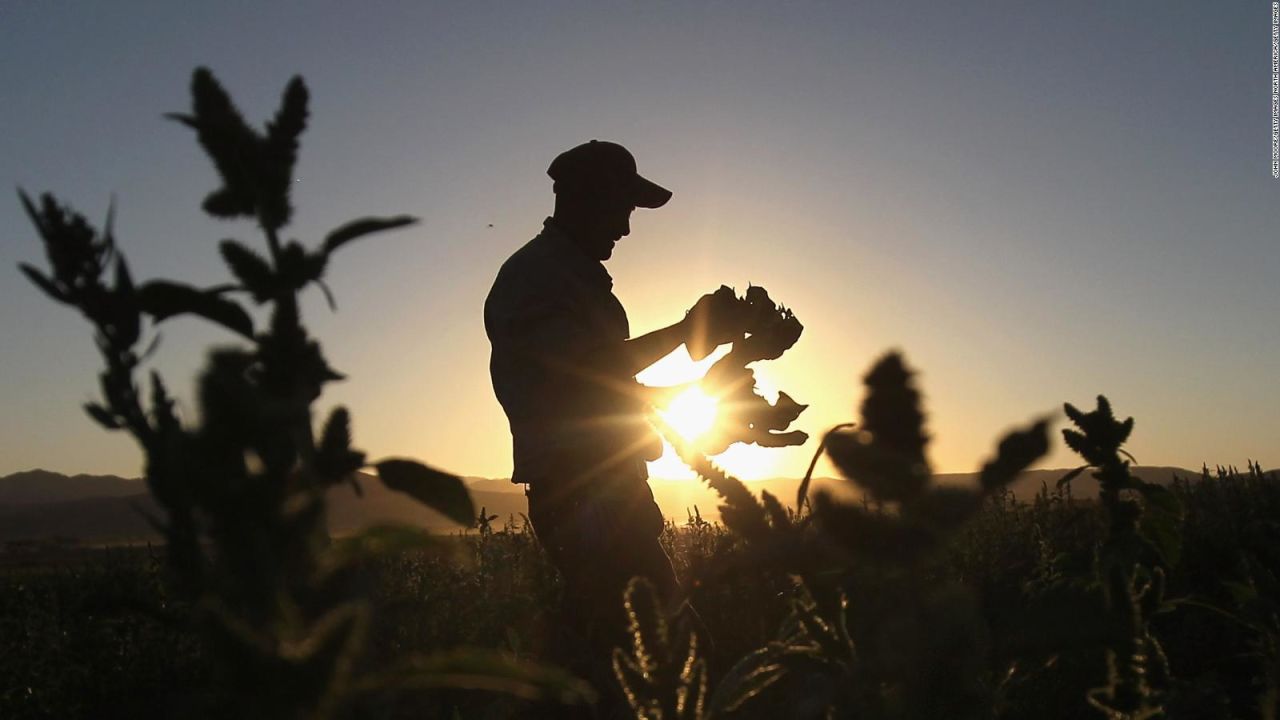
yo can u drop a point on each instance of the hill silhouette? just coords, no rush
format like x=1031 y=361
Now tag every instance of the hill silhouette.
x=115 y=509
x=44 y=486
x=40 y=504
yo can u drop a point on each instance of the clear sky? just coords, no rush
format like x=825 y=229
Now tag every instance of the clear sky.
x=1036 y=202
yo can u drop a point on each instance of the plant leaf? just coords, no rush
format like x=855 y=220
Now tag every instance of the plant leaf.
x=749 y=677
x=1161 y=522
x=162 y=405
x=634 y=683
x=103 y=416
x=250 y=268
x=126 y=319
x=336 y=436
x=284 y=130
x=777 y=513
x=42 y=282
x=1071 y=475
x=891 y=411
x=162 y=299
x=1074 y=414
x=438 y=490
x=364 y=226
x=479 y=669
x=33 y=213
x=1016 y=452
x=335 y=459
x=646 y=624
x=780 y=439
x=228 y=141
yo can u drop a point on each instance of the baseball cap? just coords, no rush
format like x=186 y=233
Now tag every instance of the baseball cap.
x=597 y=162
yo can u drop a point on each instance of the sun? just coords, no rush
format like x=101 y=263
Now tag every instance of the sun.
x=691 y=413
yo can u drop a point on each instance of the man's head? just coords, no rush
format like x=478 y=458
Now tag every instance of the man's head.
x=597 y=187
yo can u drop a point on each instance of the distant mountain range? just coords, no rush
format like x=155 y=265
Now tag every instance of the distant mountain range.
x=42 y=486
x=40 y=504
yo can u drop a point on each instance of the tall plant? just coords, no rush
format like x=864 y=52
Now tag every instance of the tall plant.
x=243 y=489
x=1143 y=539
x=872 y=632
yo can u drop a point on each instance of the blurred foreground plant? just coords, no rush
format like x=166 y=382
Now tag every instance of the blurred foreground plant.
x=872 y=632
x=243 y=491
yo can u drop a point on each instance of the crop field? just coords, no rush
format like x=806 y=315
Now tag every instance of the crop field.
x=101 y=635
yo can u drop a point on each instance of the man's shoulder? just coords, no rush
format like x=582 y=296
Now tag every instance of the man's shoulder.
x=531 y=257
x=532 y=279
x=530 y=269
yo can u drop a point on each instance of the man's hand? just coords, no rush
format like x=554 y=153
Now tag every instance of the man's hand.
x=717 y=318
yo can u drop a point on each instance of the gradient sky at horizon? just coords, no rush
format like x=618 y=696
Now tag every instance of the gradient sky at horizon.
x=1036 y=202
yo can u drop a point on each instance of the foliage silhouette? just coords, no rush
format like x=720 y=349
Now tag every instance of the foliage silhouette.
x=243 y=491
x=1142 y=540
x=662 y=675
x=870 y=633
x=874 y=632
x=96 y=633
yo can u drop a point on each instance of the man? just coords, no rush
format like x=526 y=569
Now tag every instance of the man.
x=563 y=366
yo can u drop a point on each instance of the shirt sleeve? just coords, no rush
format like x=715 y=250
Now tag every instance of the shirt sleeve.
x=559 y=370
x=542 y=322
x=546 y=328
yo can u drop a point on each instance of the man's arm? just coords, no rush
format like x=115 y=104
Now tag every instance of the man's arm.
x=641 y=352
x=715 y=319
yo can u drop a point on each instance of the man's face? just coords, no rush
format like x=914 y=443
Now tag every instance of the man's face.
x=609 y=222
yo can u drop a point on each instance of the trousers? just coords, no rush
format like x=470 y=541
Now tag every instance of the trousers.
x=598 y=536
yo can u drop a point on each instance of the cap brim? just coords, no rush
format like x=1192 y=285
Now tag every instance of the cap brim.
x=648 y=194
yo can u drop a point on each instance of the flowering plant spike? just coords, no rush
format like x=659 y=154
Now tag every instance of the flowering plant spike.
x=743 y=415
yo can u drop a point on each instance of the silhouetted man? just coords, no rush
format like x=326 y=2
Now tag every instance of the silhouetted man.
x=563 y=367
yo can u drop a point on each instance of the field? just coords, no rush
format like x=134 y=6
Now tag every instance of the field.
x=100 y=635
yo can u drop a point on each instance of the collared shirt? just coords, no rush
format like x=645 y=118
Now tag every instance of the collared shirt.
x=557 y=333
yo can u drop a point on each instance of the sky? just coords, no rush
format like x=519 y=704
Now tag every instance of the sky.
x=1034 y=202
